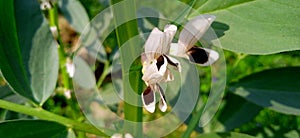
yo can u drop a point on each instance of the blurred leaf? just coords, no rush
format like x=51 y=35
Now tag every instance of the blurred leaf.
x=71 y=134
x=32 y=128
x=236 y=112
x=5 y=91
x=108 y=92
x=277 y=89
x=84 y=76
x=224 y=135
x=7 y=94
x=29 y=59
x=91 y=42
x=257 y=27
x=74 y=13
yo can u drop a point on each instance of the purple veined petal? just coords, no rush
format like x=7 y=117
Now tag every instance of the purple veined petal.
x=193 y=31
x=148 y=98
x=154 y=43
x=173 y=62
x=202 y=56
x=162 y=103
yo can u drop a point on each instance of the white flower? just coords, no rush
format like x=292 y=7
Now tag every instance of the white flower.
x=191 y=33
x=118 y=135
x=70 y=68
x=155 y=66
x=156 y=59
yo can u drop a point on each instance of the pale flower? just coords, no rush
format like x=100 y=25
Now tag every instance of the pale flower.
x=155 y=66
x=70 y=68
x=156 y=59
x=188 y=37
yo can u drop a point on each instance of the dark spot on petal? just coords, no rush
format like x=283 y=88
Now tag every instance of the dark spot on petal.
x=171 y=62
x=198 y=55
x=160 y=62
x=148 y=96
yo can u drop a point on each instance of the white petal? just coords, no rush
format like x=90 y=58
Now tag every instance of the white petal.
x=151 y=73
x=174 y=49
x=117 y=135
x=163 y=67
x=213 y=56
x=174 y=63
x=162 y=103
x=153 y=43
x=127 y=135
x=193 y=31
x=70 y=69
x=148 y=98
x=169 y=32
x=168 y=76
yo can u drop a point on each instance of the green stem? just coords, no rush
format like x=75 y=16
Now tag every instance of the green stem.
x=104 y=74
x=46 y=115
x=53 y=22
x=194 y=120
x=124 y=32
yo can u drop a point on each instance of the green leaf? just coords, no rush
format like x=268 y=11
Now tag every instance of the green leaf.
x=277 y=89
x=235 y=113
x=84 y=76
x=224 y=135
x=256 y=26
x=32 y=128
x=11 y=63
x=74 y=13
x=29 y=58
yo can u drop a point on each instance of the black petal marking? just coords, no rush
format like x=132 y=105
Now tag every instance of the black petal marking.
x=148 y=96
x=198 y=55
x=171 y=62
x=160 y=62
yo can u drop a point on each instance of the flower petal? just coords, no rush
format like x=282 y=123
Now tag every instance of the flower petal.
x=202 y=56
x=148 y=98
x=154 y=71
x=154 y=43
x=169 y=32
x=173 y=62
x=162 y=103
x=193 y=31
x=168 y=76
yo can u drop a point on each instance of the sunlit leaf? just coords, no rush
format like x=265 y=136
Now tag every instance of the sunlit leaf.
x=256 y=26
x=277 y=89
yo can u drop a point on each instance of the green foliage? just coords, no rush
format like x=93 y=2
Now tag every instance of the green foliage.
x=263 y=69
x=24 y=129
x=261 y=27
x=29 y=68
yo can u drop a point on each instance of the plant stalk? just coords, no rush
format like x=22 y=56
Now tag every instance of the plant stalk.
x=124 y=32
x=46 y=115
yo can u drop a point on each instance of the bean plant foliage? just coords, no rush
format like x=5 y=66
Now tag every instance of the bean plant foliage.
x=40 y=96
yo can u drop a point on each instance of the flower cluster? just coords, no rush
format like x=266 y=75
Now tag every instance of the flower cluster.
x=157 y=60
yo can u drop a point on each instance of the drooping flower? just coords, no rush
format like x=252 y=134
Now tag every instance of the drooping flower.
x=188 y=37
x=155 y=66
